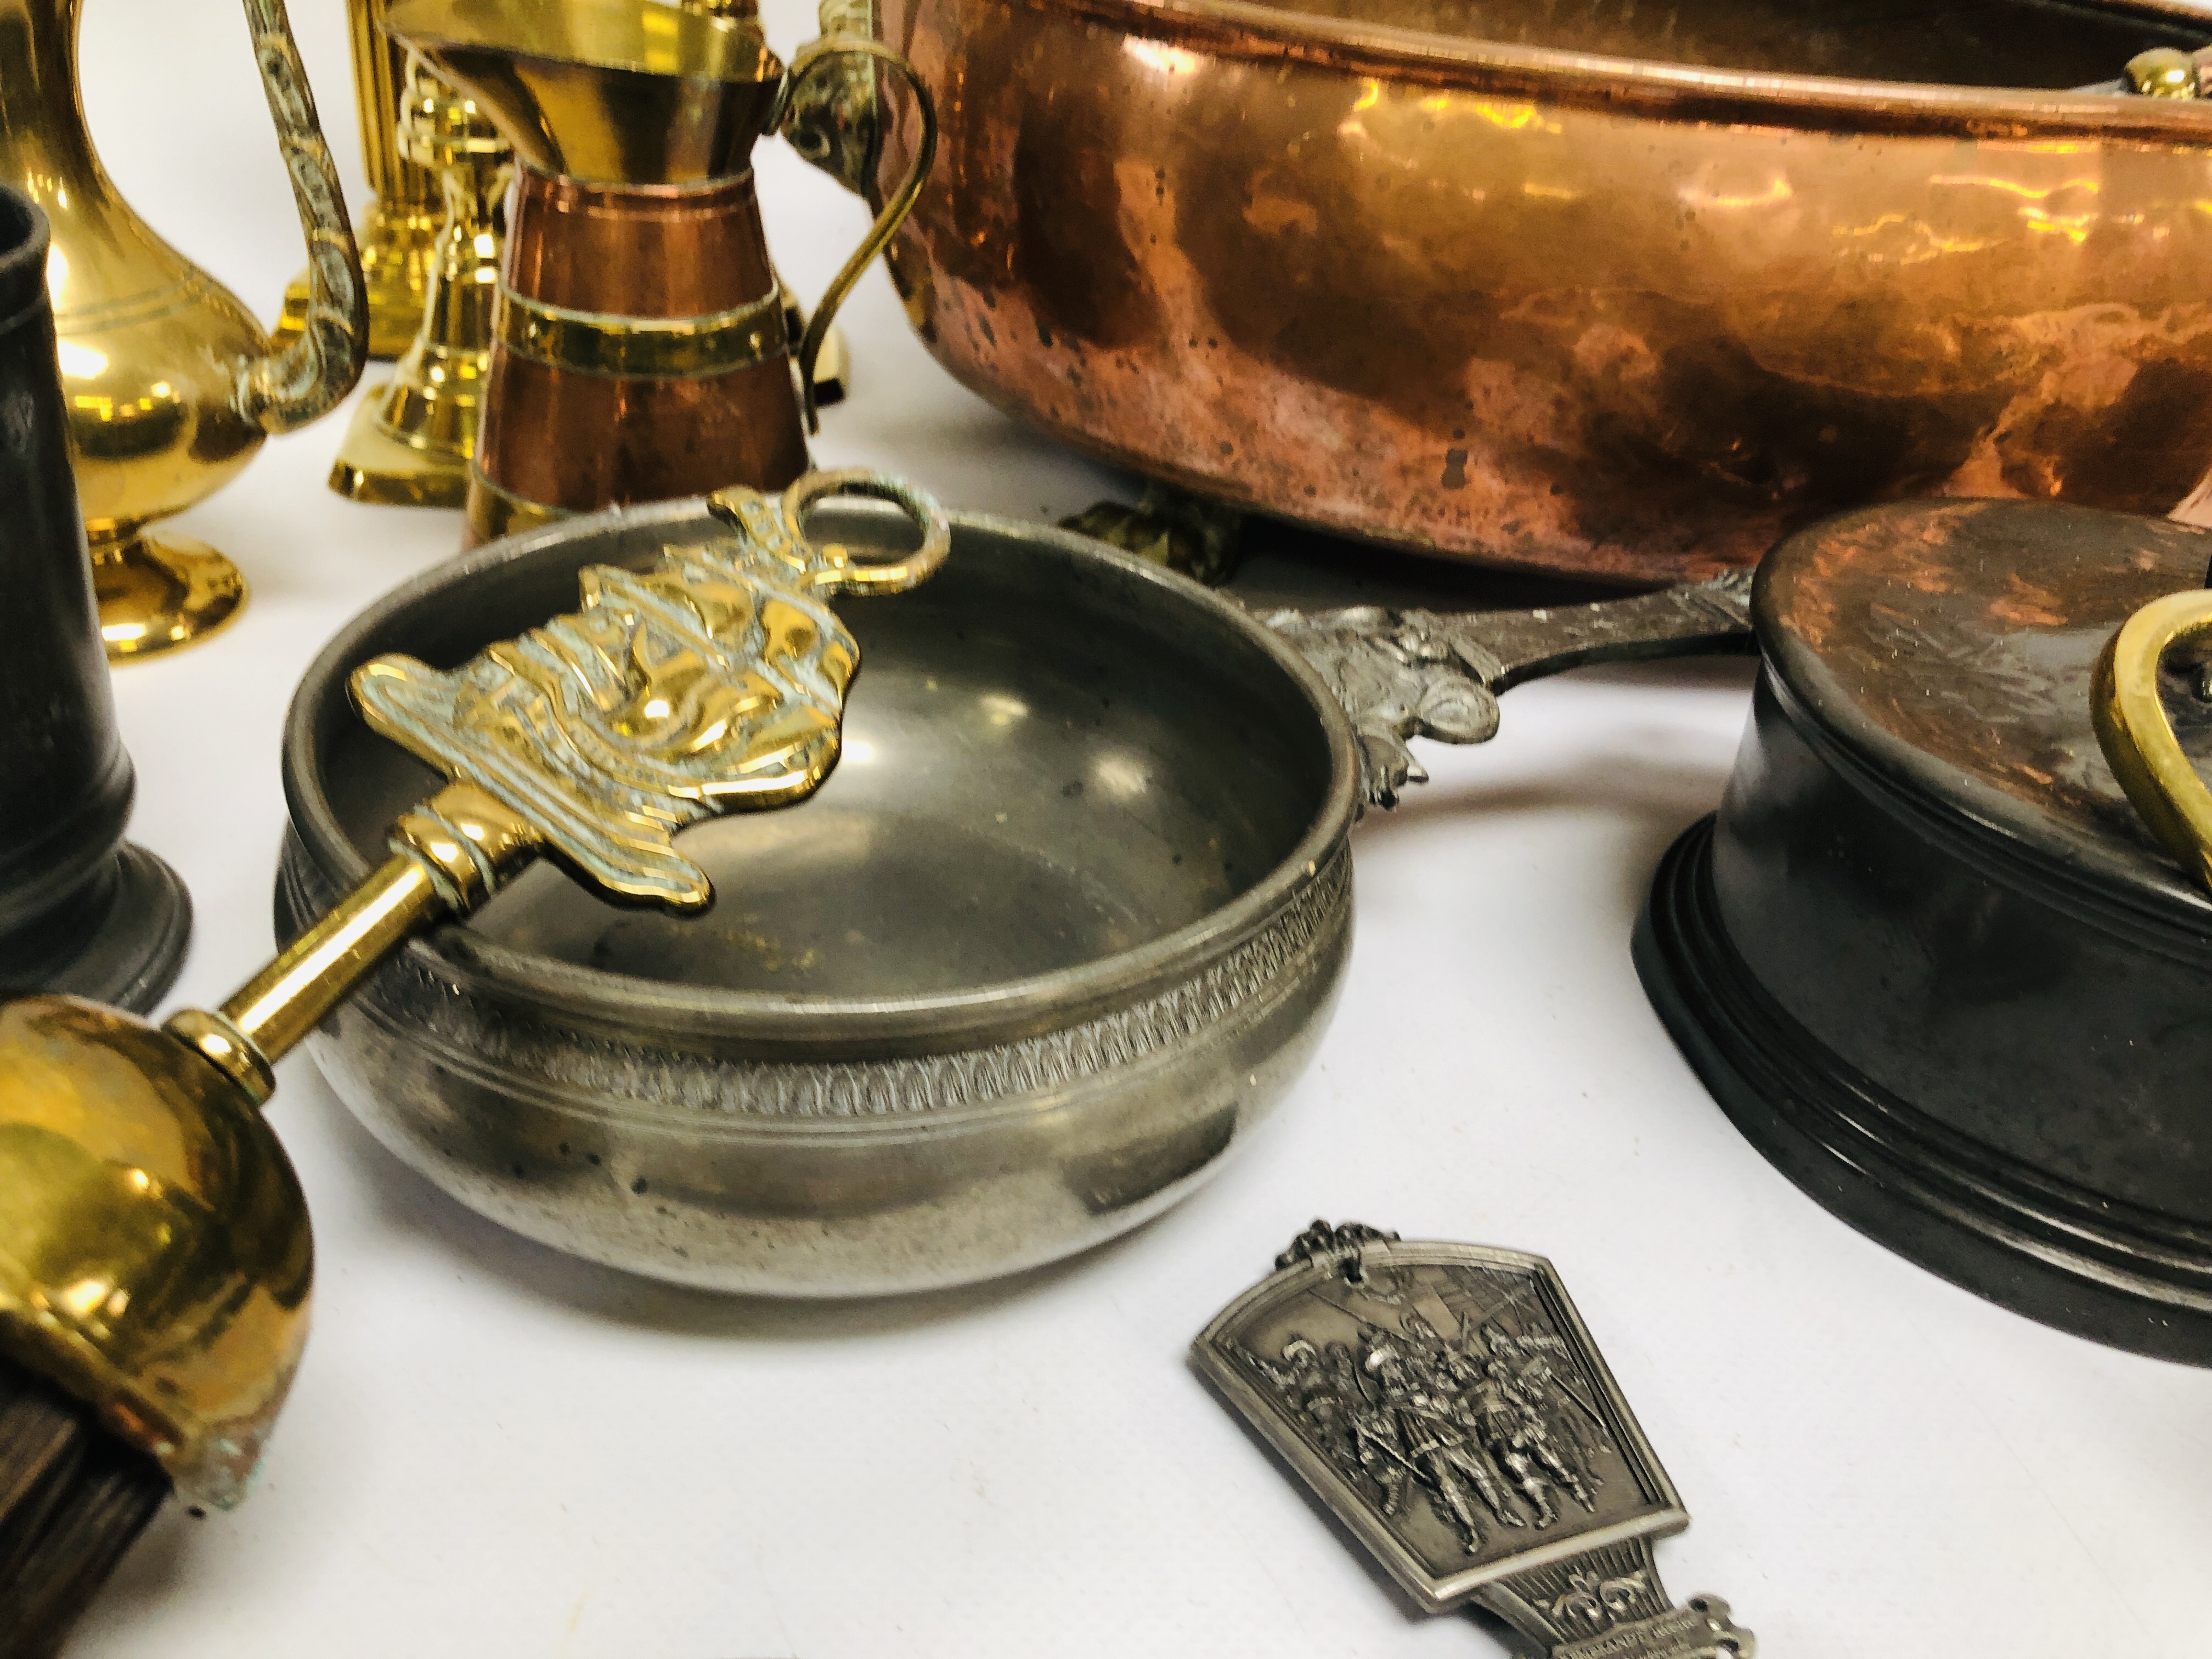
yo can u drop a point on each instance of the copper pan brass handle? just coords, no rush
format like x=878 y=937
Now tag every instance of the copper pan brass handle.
x=285 y=388
x=2138 y=739
x=811 y=59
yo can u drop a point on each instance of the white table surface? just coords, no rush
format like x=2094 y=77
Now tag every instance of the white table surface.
x=495 y=1450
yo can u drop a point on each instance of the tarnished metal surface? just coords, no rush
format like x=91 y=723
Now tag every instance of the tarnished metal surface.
x=1967 y=632
x=1926 y=957
x=1026 y=973
x=1441 y=276
x=1405 y=674
x=1449 y=1406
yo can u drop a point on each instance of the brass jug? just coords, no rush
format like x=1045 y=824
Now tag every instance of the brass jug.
x=170 y=384
x=640 y=351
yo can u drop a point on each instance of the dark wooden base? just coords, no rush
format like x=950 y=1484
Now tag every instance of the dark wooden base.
x=122 y=943
x=2061 y=1253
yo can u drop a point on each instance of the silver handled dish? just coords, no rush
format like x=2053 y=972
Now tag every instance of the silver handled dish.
x=1061 y=930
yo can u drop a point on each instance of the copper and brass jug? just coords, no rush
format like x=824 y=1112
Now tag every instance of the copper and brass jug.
x=641 y=352
x=170 y=384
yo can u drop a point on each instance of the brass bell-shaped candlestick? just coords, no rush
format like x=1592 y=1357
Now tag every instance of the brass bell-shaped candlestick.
x=170 y=384
x=398 y=233
x=410 y=441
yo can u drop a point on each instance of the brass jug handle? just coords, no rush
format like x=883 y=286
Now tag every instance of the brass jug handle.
x=809 y=59
x=285 y=388
x=2138 y=739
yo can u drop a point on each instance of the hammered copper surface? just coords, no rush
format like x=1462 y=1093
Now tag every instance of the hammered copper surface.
x=1967 y=630
x=1436 y=275
x=579 y=441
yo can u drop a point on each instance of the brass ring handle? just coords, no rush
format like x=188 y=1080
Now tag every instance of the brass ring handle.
x=2138 y=739
x=838 y=572
x=895 y=210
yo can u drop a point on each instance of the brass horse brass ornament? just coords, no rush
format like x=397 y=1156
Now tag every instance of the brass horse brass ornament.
x=172 y=386
x=155 y=1252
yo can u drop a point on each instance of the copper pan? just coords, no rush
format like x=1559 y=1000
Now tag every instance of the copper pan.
x=1626 y=289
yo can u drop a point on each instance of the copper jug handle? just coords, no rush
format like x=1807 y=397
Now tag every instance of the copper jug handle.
x=809 y=58
x=286 y=387
x=2138 y=739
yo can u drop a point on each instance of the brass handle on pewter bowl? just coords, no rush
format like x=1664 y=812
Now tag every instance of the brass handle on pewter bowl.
x=154 y=1251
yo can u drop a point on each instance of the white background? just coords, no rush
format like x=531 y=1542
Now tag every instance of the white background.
x=493 y=1450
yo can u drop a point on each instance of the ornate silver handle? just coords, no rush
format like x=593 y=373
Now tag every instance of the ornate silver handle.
x=286 y=388
x=1405 y=674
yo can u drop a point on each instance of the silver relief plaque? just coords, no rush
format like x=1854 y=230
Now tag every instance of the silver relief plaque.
x=1447 y=1402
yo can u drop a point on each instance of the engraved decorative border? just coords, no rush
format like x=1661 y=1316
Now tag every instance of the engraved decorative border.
x=514 y=1053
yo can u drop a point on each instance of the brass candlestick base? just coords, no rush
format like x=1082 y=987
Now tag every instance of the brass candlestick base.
x=372 y=465
x=158 y=593
x=410 y=441
x=398 y=242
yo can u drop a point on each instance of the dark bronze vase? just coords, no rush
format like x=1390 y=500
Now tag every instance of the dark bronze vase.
x=80 y=909
x=1926 y=956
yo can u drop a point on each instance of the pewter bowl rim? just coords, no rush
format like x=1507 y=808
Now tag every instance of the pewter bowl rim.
x=1661 y=88
x=821 y=1024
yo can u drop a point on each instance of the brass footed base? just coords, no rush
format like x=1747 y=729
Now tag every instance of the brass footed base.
x=372 y=465
x=156 y=595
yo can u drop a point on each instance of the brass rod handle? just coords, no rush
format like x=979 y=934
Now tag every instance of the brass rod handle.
x=285 y=388
x=2138 y=739
x=287 y=999
x=895 y=210
x=448 y=855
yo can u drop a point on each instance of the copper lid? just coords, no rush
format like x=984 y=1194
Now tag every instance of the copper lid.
x=1941 y=651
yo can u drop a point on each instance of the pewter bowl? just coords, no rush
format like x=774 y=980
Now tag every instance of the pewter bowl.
x=1063 y=926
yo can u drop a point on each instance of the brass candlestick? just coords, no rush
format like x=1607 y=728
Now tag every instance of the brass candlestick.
x=410 y=442
x=400 y=231
x=170 y=384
